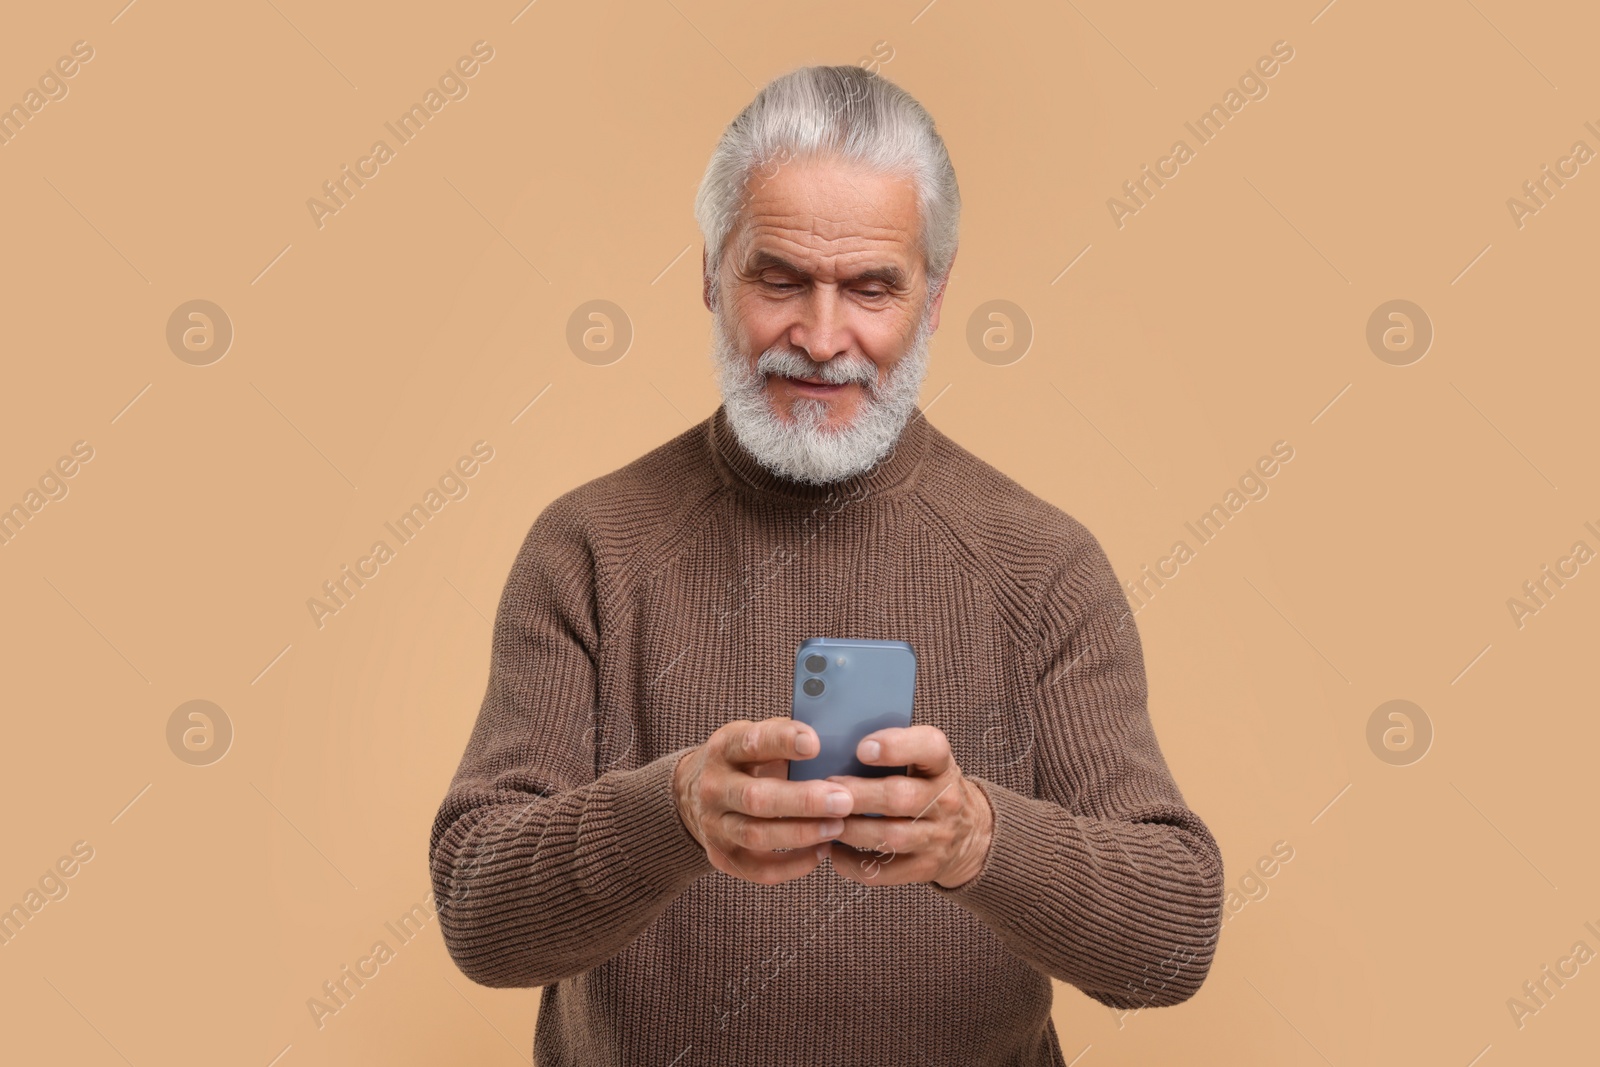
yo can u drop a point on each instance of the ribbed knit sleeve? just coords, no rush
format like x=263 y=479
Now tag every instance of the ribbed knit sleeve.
x=1105 y=880
x=542 y=867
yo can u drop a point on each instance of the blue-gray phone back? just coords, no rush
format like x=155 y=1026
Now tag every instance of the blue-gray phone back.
x=845 y=688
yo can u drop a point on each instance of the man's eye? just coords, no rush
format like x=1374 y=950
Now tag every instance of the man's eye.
x=873 y=293
x=781 y=286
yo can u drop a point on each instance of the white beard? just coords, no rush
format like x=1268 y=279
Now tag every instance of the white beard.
x=806 y=450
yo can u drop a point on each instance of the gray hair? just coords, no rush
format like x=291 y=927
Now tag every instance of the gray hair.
x=843 y=112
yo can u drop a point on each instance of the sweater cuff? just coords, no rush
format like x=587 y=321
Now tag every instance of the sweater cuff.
x=1020 y=860
x=650 y=845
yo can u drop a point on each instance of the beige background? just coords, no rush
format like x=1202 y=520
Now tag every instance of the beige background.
x=368 y=354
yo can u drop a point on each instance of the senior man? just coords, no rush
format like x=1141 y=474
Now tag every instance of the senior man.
x=621 y=830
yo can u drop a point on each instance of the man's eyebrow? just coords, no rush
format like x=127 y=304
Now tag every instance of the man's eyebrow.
x=890 y=276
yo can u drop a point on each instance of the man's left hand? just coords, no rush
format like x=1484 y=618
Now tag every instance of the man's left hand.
x=936 y=824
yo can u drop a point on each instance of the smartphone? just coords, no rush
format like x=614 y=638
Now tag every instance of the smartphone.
x=844 y=689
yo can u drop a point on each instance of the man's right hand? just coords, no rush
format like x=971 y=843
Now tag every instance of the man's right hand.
x=734 y=796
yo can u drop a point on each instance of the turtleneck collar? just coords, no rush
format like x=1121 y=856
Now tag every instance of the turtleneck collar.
x=895 y=473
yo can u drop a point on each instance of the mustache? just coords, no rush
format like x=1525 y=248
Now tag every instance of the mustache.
x=840 y=370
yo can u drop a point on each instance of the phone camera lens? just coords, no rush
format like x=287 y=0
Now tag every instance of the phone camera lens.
x=816 y=664
x=812 y=687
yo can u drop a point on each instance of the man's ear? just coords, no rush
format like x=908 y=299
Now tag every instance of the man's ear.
x=938 y=297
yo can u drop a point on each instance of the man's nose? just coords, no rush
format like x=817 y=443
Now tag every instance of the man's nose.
x=822 y=330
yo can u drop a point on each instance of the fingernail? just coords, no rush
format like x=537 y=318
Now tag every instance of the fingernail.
x=833 y=827
x=870 y=750
x=804 y=744
x=839 y=803
x=823 y=850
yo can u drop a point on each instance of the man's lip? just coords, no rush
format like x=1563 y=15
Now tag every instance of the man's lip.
x=813 y=381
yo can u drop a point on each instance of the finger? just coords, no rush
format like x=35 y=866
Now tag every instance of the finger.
x=772 y=768
x=765 y=835
x=923 y=748
x=895 y=795
x=779 y=798
x=880 y=839
x=778 y=738
x=766 y=868
x=877 y=863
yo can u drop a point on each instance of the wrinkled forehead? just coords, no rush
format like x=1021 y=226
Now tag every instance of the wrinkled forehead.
x=828 y=215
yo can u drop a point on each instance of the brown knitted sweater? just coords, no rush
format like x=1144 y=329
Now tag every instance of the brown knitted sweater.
x=649 y=606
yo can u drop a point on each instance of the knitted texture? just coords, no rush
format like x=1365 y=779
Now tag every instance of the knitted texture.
x=649 y=606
